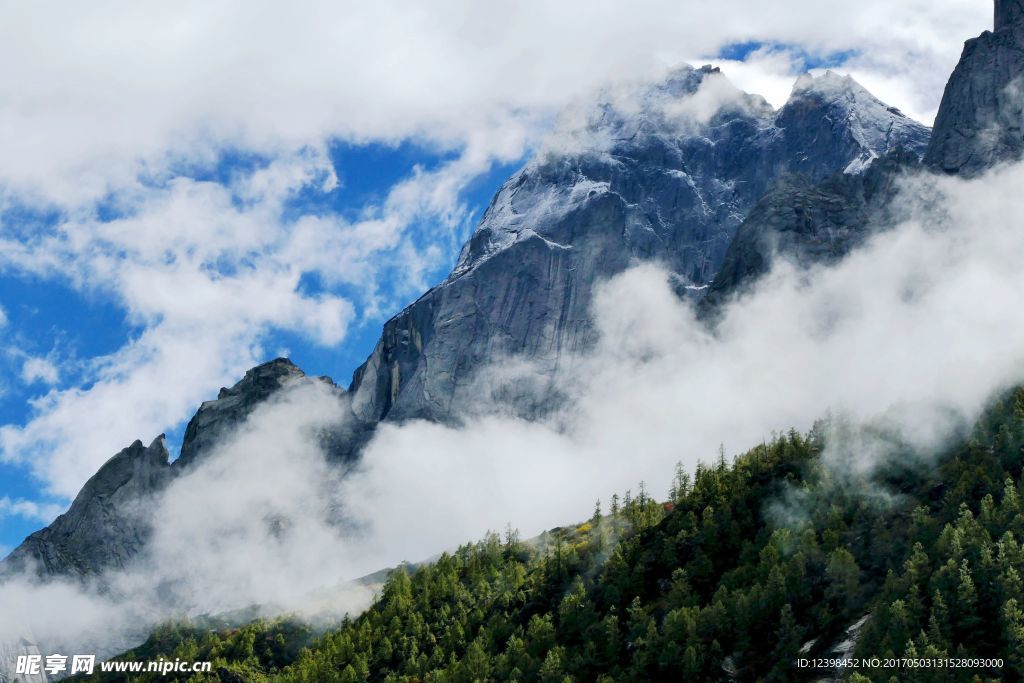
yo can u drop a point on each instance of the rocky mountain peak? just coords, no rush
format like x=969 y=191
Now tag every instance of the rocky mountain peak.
x=107 y=522
x=685 y=79
x=836 y=107
x=127 y=465
x=138 y=455
x=215 y=418
x=829 y=84
x=265 y=378
x=1009 y=14
x=111 y=517
x=668 y=177
x=844 y=92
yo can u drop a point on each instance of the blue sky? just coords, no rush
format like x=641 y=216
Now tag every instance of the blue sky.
x=173 y=212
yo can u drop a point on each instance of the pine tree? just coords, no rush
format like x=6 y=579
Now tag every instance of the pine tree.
x=788 y=638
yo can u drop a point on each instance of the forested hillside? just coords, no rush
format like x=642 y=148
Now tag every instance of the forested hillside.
x=734 y=577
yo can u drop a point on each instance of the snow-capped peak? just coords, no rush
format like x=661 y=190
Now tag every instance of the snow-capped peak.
x=872 y=125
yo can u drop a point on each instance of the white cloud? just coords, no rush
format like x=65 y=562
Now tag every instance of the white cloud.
x=36 y=369
x=140 y=391
x=266 y=498
x=28 y=509
x=766 y=72
x=912 y=81
x=711 y=97
x=106 y=93
x=585 y=127
x=64 y=617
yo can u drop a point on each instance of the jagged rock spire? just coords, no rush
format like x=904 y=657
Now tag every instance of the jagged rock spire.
x=979 y=121
x=106 y=524
x=216 y=418
x=1009 y=13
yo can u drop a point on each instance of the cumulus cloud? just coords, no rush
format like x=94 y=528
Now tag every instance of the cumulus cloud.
x=36 y=369
x=769 y=72
x=258 y=522
x=142 y=88
x=625 y=109
x=267 y=498
x=60 y=613
x=28 y=509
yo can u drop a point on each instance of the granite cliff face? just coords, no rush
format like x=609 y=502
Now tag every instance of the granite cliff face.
x=809 y=223
x=833 y=118
x=663 y=187
x=1009 y=13
x=9 y=653
x=981 y=119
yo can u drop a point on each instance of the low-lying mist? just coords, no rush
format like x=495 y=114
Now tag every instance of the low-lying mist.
x=916 y=330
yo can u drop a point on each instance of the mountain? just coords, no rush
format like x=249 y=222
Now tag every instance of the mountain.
x=669 y=184
x=668 y=176
x=837 y=112
x=215 y=419
x=9 y=653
